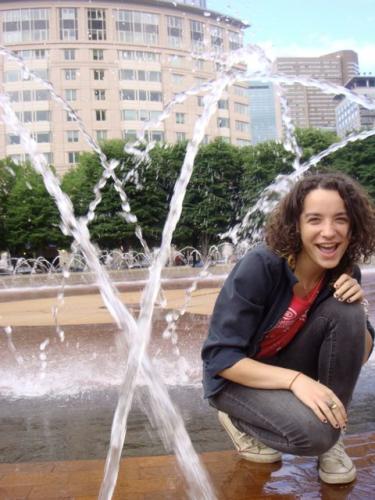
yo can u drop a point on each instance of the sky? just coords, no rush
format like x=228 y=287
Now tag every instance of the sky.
x=307 y=27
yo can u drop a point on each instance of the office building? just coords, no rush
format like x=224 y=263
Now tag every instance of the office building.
x=310 y=107
x=265 y=122
x=351 y=116
x=118 y=65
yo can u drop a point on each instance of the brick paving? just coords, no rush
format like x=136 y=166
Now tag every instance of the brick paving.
x=158 y=478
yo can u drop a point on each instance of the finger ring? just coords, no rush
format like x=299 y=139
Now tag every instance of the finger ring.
x=332 y=405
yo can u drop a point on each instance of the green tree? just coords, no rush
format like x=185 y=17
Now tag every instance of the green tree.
x=262 y=163
x=148 y=200
x=32 y=218
x=8 y=172
x=313 y=141
x=357 y=159
x=212 y=200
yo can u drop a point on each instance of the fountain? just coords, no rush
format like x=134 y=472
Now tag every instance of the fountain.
x=135 y=333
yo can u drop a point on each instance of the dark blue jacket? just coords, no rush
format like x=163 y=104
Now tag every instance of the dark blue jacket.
x=254 y=297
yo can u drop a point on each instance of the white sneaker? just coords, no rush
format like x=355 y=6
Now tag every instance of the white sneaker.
x=335 y=466
x=247 y=446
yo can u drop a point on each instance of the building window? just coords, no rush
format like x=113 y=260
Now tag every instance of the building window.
x=223 y=122
x=40 y=94
x=137 y=27
x=70 y=74
x=98 y=54
x=48 y=157
x=180 y=118
x=98 y=74
x=69 y=54
x=127 y=95
x=242 y=126
x=145 y=115
x=149 y=76
x=30 y=54
x=155 y=96
x=199 y=64
x=33 y=116
x=177 y=60
x=243 y=109
x=73 y=157
x=217 y=38
x=12 y=75
x=127 y=74
x=100 y=115
x=129 y=135
x=235 y=40
x=129 y=114
x=241 y=91
x=196 y=35
x=42 y=137
x=69 y=117
x=13 y=139
x=177 y=79
x=99 y=94
x=25 y=25
x=15 y=75
x=96 y=24
x=222 y=104
x=174 y=30
x=156 y=135
x=138 y=55
x=180 y=136
x=42 y=116
x=101 y=135
x=72 y=135
x=71 y=94
x=68 y=24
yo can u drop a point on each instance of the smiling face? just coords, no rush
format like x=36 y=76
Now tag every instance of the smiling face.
x=324 y=228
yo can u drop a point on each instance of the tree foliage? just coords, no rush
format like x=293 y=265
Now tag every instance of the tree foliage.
x=226 y=182
x=32 y=219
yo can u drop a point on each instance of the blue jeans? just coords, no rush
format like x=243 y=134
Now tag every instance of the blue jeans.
x=329 y=348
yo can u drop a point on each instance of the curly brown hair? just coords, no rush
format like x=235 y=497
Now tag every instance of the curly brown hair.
x=281 y=232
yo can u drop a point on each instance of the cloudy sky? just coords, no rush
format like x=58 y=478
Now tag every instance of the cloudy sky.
x=307 y=27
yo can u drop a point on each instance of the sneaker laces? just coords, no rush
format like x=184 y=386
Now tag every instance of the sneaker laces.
x=337 y=452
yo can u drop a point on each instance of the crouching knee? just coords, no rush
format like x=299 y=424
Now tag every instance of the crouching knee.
x=315 y=438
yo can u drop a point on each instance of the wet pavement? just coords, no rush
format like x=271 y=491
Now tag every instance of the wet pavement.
x=158 y=478
x=63 y=410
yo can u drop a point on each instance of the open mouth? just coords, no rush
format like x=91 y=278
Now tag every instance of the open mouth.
x=328 y=249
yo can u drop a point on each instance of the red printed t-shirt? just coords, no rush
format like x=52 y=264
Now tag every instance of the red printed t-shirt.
x=289 y=324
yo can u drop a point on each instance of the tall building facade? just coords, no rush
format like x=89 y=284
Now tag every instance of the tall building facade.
x=118 y=65
x=265 y=122
x=351 y=116
x=310 y=107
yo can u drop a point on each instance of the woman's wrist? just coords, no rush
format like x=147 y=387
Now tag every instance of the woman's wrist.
x=295 y=376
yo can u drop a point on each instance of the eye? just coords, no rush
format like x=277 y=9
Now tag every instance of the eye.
x=343 y=219
x=313 y=220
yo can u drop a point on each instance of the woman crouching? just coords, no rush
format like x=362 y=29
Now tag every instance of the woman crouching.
x=289 y=332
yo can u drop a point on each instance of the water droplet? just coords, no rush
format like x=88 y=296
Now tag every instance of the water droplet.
x=44 y=344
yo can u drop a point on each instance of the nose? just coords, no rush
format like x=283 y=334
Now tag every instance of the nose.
x=328 y=229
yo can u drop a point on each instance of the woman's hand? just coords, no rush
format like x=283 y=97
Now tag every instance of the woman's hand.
x=348 y=289
x=322 y=401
